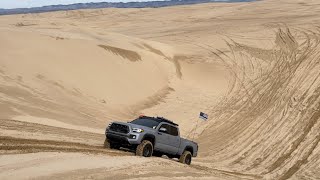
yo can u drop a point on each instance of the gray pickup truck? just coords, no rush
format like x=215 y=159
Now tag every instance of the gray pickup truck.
x=149 y=136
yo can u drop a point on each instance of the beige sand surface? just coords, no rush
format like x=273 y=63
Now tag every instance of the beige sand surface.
x=253 y=67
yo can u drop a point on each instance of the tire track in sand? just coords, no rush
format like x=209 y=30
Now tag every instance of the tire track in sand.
x=11 y=145
x=272 y=113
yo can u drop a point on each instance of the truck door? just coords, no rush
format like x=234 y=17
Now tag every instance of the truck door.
x=167 y=141
x=174 y=139
x=162 y=140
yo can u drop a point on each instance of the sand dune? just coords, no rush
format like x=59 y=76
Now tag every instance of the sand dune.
x=253 y=67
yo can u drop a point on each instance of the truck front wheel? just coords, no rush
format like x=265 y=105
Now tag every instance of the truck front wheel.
x=144 y=149
x=110 y=145
x=186 y=157
x=114 y=146
x=106 y=144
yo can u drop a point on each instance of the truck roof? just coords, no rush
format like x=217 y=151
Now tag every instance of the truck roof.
x=159 y=119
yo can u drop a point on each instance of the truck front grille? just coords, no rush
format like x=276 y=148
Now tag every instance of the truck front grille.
x=119 y=128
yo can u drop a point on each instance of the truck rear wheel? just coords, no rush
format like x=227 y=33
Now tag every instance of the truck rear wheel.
x=144 y=149
x=186 y=157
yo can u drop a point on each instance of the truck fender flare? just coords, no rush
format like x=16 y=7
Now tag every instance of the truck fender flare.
x=189 y=148
x=150 y=137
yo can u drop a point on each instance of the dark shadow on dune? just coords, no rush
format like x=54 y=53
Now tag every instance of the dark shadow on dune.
x=126 y=54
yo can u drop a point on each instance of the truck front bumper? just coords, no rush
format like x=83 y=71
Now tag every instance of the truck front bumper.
x=124 y=139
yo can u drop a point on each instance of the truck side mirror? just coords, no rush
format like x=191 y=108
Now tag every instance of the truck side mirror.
x=163 y=129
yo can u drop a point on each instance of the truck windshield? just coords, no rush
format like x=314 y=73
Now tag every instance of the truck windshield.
x=146 y=122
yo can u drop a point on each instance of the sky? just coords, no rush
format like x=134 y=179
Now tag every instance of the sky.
x=10 y=4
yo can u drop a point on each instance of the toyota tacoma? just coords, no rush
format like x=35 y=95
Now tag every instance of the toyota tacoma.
x=151 y=136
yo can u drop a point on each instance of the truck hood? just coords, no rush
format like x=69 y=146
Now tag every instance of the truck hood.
x=139 y=126
x=134 y=126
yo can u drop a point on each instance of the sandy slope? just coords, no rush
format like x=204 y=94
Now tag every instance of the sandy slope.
x=254 y=67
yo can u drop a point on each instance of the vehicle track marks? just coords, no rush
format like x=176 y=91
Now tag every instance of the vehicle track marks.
x=11 y=145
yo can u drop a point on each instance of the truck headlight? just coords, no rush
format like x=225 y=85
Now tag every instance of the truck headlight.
x=137 y=130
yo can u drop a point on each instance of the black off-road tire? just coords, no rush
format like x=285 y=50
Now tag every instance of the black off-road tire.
x=114 y=146
x=106 y=144
x=110 y=145
x=145 y=149
x=186 y=158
